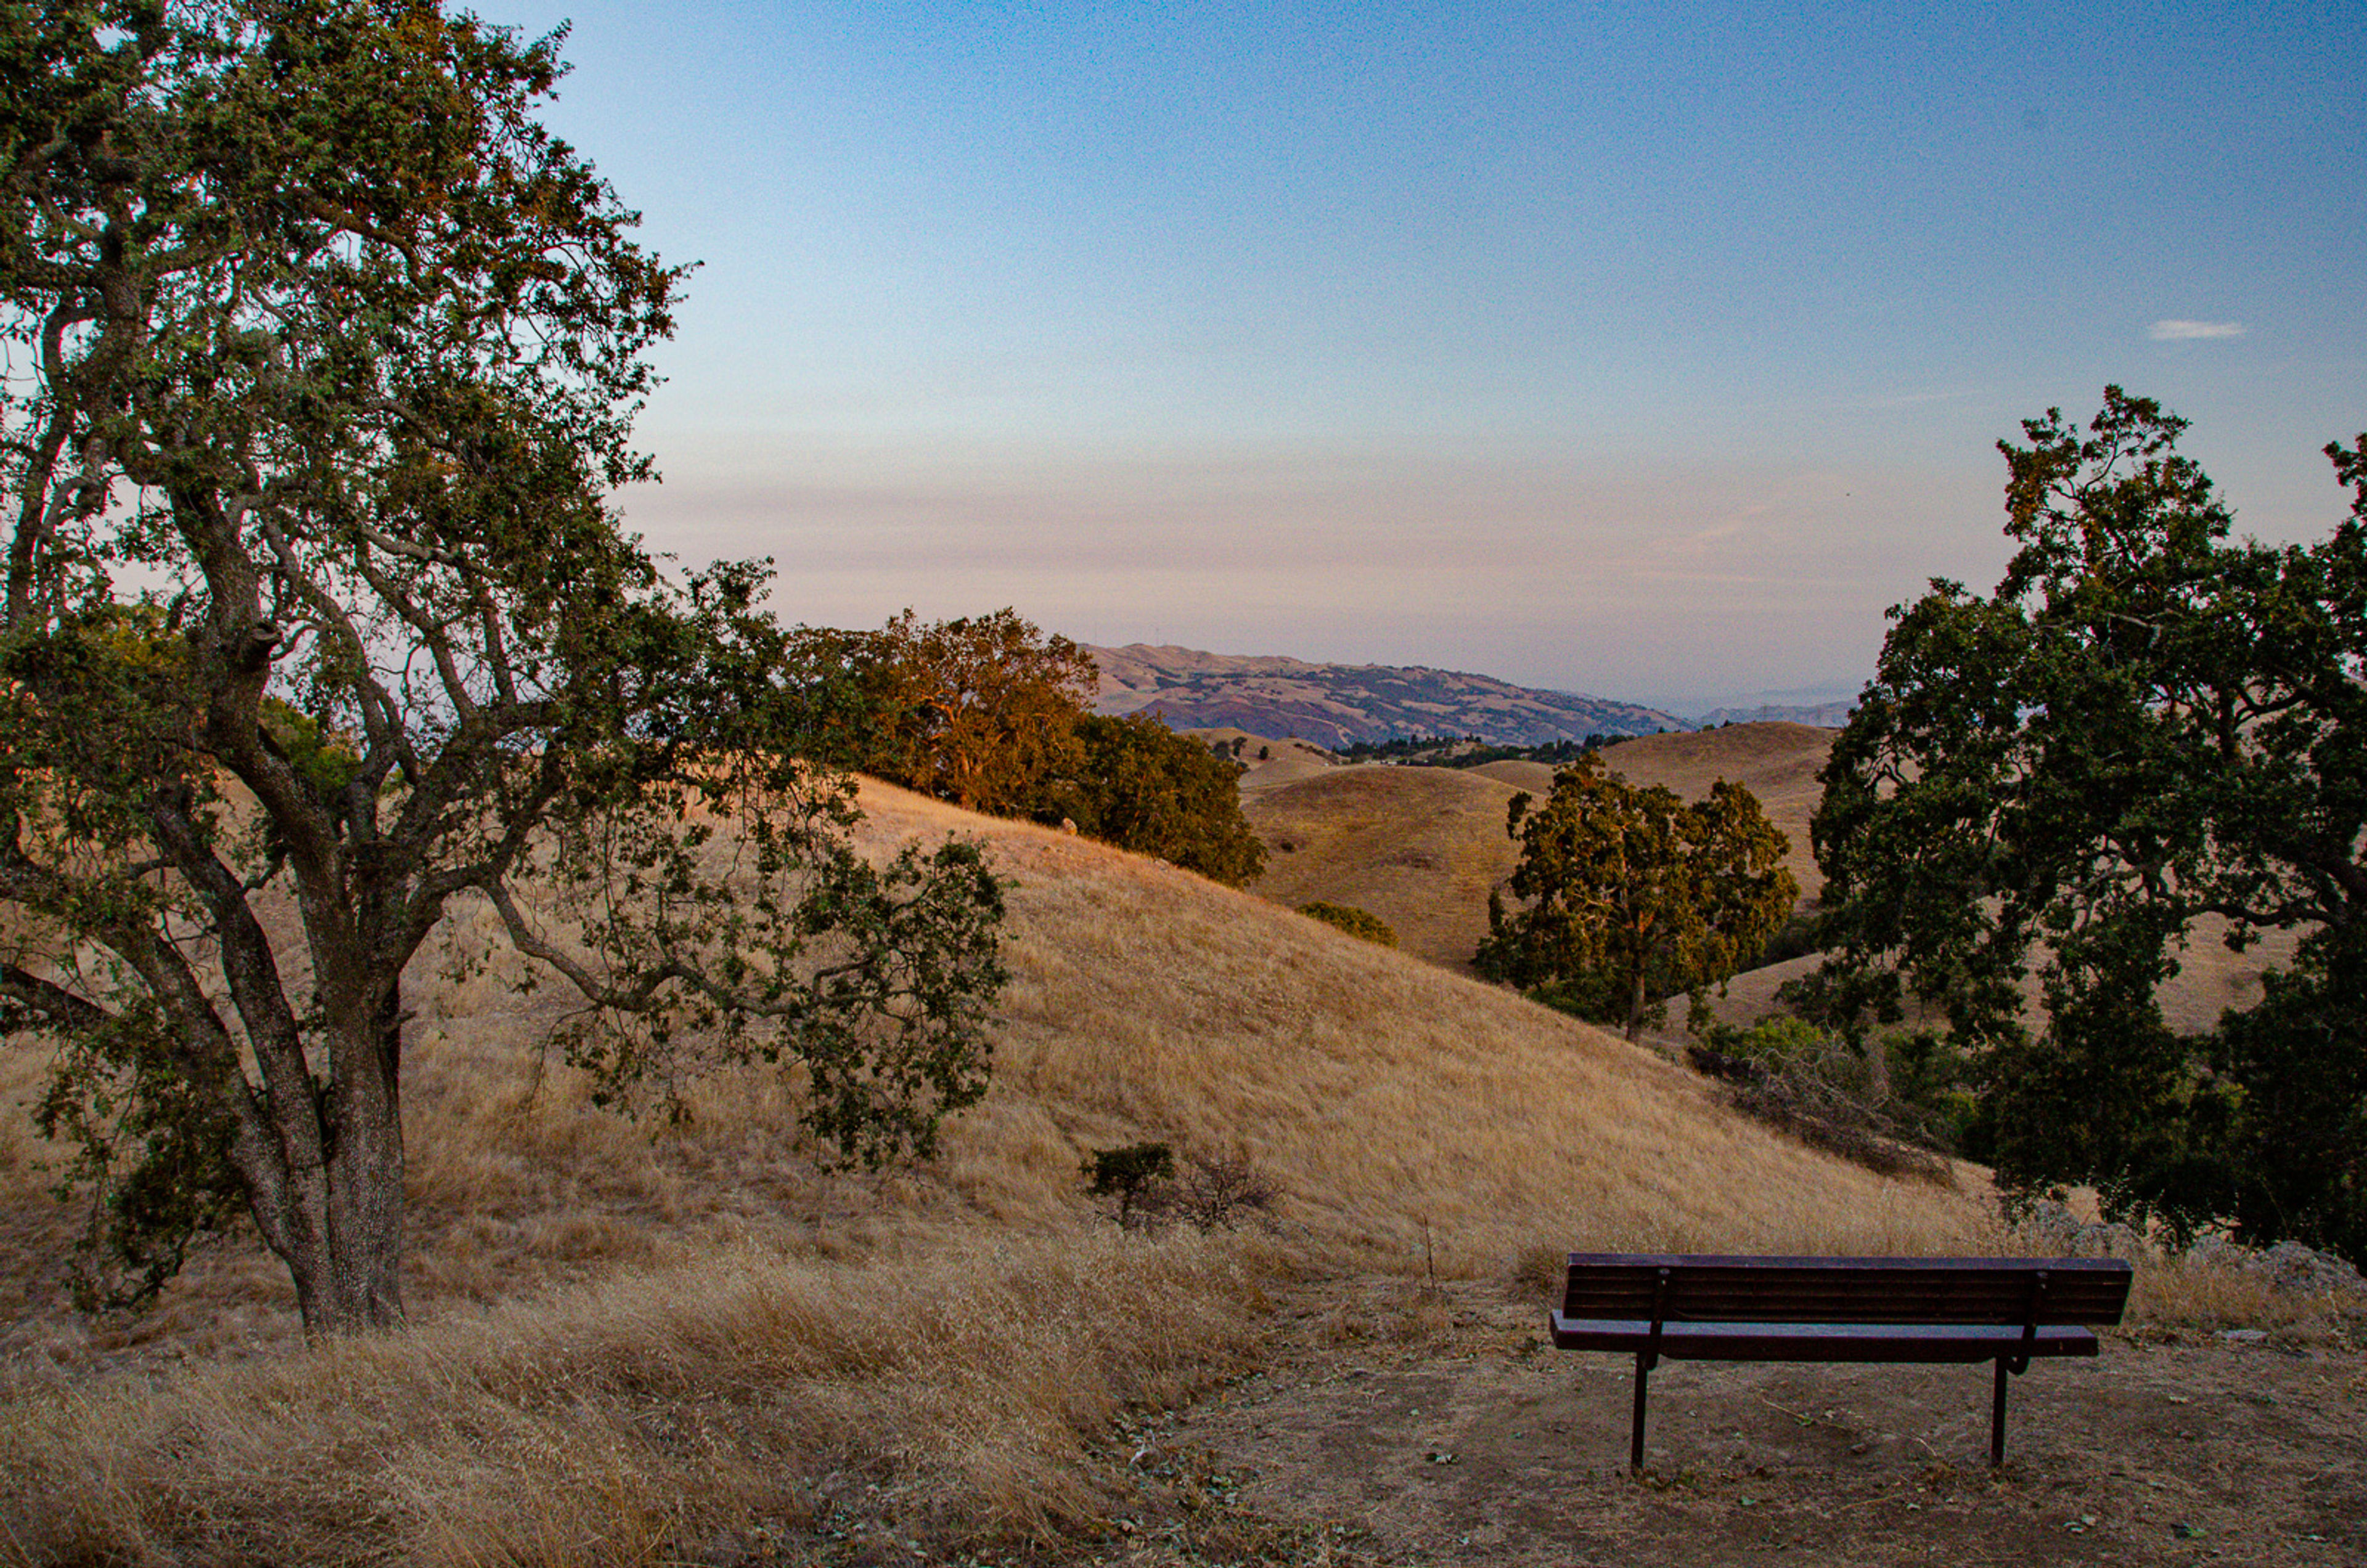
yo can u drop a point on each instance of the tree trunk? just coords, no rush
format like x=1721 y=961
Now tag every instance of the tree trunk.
x=1636 y=1005
x=366 y=1170
x=341 y=1231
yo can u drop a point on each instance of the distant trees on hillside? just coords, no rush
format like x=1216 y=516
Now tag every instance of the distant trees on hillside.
x=1141 y=786
x=2144 y=725
x=989 y=713
x=1630 y=894
x=979 y=711
x=1470 y=751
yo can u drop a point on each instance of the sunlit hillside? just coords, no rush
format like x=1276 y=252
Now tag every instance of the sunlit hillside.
x=672 y=1332
x=1418 y=847
x=1421 y=847
x=1380 y=1093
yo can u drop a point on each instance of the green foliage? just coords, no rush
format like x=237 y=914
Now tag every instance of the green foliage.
x=1797 y=938
x=982 y=711
x=1143 y=787
x=2144 y=725
x=150 y=1155
x=323 y=759
x=1356 y=922
x=1397 y=748
x=989 y=713
x=307 y=316
x=1127 y=1173
x=1633 y=895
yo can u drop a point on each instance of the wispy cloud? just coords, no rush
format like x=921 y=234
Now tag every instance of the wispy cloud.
x=2182 y=331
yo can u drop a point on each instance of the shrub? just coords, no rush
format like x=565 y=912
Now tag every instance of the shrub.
x=1356 y=922
x=1126 y=1173
x=1795 y=938
x=1137 y=783
x=1211 y=1194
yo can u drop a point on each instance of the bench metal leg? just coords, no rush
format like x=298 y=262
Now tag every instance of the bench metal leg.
x=1635 y=1427
x=1997 y=1418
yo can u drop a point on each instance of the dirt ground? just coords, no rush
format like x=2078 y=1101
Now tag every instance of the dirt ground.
x=1440 y=1427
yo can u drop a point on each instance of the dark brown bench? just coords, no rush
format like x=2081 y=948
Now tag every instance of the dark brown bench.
x=2005 y=1310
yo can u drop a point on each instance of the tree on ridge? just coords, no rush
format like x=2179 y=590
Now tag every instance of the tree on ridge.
x=2144 y=725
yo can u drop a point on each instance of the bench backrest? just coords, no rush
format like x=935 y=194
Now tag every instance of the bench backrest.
x=1686 y=1287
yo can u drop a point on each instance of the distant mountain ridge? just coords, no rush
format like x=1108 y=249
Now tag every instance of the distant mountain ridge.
x=1824 y=715
x=1339 y=705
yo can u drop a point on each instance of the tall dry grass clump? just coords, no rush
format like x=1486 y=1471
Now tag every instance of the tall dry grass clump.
x=665 y=1415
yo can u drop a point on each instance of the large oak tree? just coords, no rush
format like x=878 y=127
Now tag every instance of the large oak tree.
x=320 y=357
x=979 y=711
x=1630 y=894
x=2146 y=724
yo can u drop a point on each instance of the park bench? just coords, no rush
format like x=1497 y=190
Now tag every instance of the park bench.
x=2005 y=1310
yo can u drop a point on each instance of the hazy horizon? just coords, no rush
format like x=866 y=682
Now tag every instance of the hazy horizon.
x=1650 y=354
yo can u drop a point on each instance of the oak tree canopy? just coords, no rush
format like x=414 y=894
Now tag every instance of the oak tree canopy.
x=320 y=359
x=2149 y=735
x=1630 y=894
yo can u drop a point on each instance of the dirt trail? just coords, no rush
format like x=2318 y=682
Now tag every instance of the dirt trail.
x=1456 y=1435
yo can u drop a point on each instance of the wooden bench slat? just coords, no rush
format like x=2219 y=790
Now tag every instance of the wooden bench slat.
x=1895 y=1293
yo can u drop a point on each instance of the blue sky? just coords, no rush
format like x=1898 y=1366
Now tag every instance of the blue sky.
x=1644 y=350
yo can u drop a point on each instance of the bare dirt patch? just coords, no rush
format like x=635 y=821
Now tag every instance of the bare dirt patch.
x=1403 y=1426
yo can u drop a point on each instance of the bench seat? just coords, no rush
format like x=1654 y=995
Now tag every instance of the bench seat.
x=1938 y=1342
x=2009 y=1311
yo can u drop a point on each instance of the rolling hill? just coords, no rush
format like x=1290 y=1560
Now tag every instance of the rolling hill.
x=1339 y=704
x=683 y=1332
x=1421 y=847
x=1147 y=1002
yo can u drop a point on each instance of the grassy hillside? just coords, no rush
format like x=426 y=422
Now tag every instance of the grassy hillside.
x=1418 y=847
x=1421 y=847
x=646 y=1335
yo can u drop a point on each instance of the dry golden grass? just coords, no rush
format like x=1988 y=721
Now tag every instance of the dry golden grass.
x=1418 y=847
x=747 y=1399
x=627 y=1343
x=1380 y=1093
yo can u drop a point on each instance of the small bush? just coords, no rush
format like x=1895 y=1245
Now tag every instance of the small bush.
x=1795 y=938
x=1127 y=1174
x=1356 y=922
x=1211 y=1194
